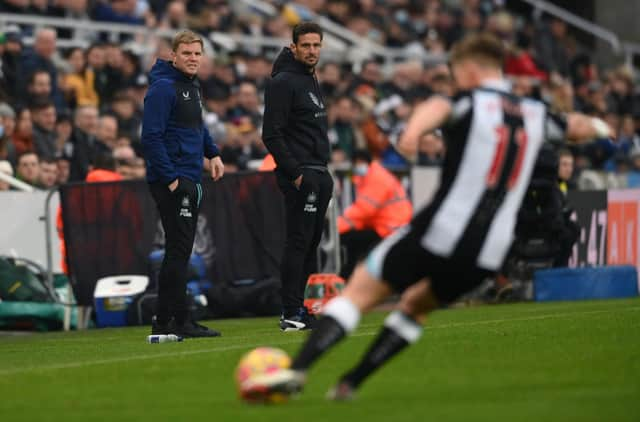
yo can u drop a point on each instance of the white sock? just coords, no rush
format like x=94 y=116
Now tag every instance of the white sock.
x=344 y=312
x=404 y=326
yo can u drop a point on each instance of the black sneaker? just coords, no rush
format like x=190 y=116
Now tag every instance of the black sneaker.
x=191 y=329
x=302 y=320
x=157 y=328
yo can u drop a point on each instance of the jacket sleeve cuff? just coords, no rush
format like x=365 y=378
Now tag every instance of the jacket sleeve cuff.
x=167 y=180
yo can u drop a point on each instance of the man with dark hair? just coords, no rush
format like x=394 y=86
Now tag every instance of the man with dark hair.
x=38 y=86
x=464 y=234
x=295 y=133
x=43 y=114
x=28 y=168
x=48 y=174
x=41 y=57
x=175 y=141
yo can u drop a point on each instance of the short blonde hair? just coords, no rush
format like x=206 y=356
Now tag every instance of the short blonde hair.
x=186 y=37
x=483 y=48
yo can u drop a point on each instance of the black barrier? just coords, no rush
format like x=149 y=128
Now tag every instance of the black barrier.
x=111 y=228
x=590 y=212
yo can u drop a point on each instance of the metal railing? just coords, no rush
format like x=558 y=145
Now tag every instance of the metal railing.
x=17 y=184
x=627 y=49
x=359 y=47
x=540 y=6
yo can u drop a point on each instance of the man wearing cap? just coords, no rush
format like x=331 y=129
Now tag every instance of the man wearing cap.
x=11 y=44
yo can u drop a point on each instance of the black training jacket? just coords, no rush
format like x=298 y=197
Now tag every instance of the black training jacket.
x=295 y=119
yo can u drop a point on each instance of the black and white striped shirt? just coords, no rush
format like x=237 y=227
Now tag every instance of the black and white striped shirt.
x=493 y=138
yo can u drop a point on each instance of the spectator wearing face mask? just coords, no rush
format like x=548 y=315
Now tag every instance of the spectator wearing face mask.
x=381 y=206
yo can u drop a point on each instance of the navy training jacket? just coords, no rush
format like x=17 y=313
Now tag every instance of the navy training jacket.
x=174 y=137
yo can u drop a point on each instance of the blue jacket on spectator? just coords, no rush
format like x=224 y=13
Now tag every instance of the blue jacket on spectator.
x=174 y=137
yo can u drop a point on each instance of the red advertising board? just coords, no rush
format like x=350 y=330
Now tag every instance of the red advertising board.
x=622 y=227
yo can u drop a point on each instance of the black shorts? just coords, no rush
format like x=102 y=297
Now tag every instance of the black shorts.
x=401 y=261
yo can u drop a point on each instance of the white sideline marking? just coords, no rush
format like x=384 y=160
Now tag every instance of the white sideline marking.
x=248 y=346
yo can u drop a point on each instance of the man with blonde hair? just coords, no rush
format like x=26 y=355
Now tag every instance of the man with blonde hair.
x=175 y=141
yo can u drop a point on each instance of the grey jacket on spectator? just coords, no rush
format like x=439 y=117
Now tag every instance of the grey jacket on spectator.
x=44 y=142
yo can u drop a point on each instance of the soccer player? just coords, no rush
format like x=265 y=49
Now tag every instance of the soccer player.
x=463 y=235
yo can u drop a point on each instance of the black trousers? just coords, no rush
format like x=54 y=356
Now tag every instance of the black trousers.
x=179 y=216
x=356 y=245
x=305 y=209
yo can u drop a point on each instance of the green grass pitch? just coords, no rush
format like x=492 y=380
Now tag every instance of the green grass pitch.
x=522 y=362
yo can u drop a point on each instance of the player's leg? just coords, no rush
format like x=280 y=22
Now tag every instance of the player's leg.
x=340 y=317
x=402 y=328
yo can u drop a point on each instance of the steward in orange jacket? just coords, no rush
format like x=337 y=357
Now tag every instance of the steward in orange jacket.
x=381 y=206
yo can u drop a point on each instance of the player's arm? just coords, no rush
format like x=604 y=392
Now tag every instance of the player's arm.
x=581 y=127
x=426 y=117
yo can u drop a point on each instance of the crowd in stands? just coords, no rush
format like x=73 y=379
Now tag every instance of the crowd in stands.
x=60 y=109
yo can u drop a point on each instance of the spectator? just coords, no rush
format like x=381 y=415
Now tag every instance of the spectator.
x=15 y=6
x=107 y=135
x=344 y=133
x=550 y=46
x=369 y=75
x=41 y=58
x=128 y=122
x=120 y=11
x=80 y=149
x=175 y=16
x=5 y=168
x=23 y=133
x=137 y=91
x=63 y=166
x=404 y=80
x=130 y=66
x=139 y=168
x=75 y=10
x=28 y=168
x=258 y=71
x=249 y=145
x=110 y=79
x=11 y=54
x=47 y=174
x=44 y=129
x=569 y=231
x=38 y=87
x=97 y=63
x=79 y=84
x=64 y=130
x=330 y=77
x=620 y=98
x=247 y=104
x=565 y=171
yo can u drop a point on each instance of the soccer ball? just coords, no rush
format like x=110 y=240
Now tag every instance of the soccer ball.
x=260 y=361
